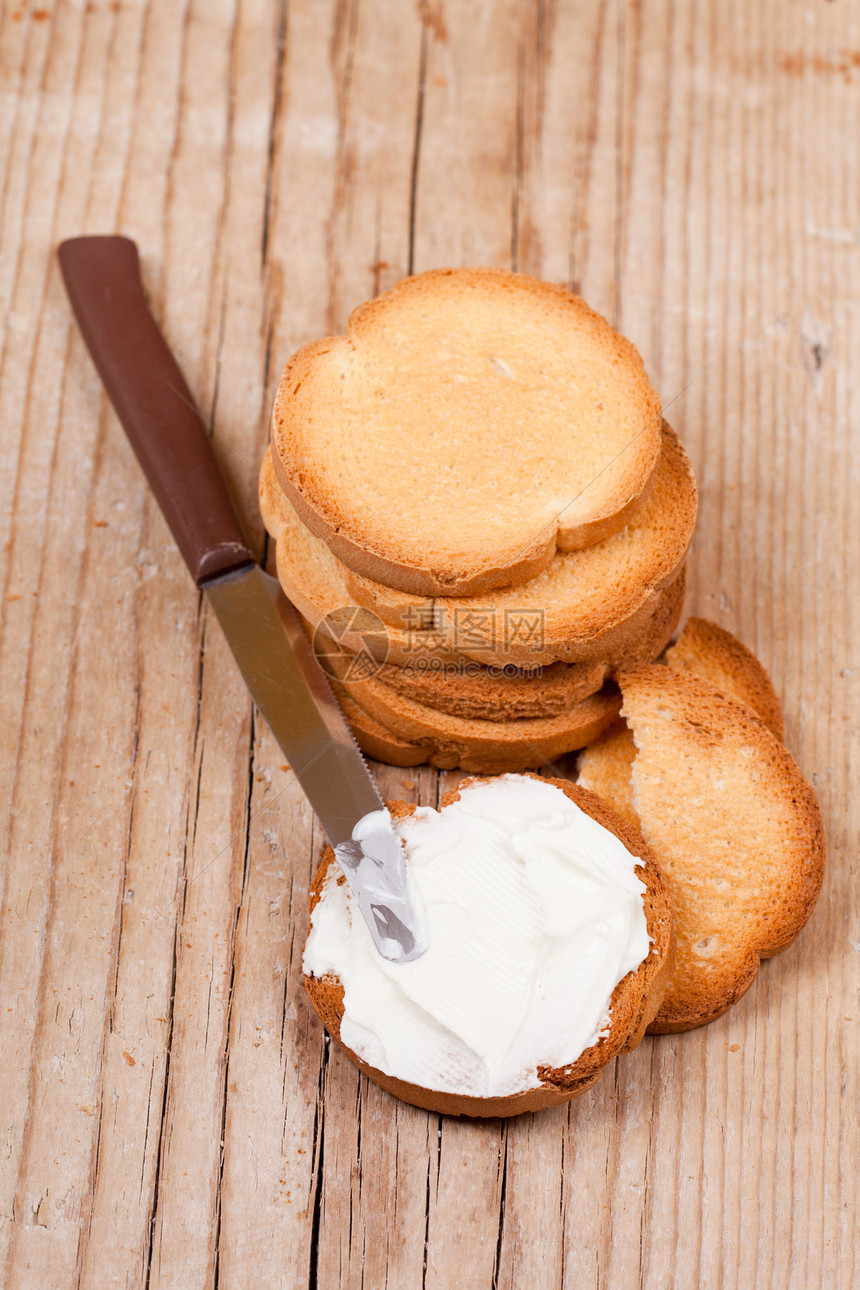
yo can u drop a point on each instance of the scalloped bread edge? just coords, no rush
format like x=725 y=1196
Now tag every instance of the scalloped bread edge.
x=709 y=651
x=316 y=583
x=708 y=712
x=634 y=1001
x=492 y=569
x=671 y=493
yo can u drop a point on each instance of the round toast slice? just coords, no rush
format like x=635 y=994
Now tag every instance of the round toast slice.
x=471 y=423
x=587 y=605
x=634 y=1000
x=479 y=746
x=735 y=828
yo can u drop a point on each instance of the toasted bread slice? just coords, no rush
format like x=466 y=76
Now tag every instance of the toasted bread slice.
x=496 y=694
x=733 y=823
x=587 y=605
x=382 y=744
x=608 y=579
x=606 y=768
x=313 y=579
x=376 y=740
x=708 y=651
x=511 y=412
x=479 y=746
x=469 y=689
x=634 y=1001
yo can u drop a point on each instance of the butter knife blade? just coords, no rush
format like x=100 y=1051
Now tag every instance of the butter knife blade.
x=293 y=693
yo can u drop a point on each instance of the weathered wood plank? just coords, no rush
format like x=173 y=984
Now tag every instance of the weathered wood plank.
x=171 y=1110
x=52 y=433
x=274 y=1113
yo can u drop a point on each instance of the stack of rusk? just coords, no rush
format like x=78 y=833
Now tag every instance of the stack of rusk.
x=481 y=515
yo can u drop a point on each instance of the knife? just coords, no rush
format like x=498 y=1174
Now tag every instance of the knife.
x=169 y=438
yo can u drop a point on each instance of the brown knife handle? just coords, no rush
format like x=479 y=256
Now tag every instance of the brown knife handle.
x=153 y=402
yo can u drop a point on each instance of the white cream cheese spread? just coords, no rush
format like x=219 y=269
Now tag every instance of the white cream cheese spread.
x=533 y=913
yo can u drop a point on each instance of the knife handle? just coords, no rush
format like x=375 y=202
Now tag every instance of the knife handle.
x=153 y=402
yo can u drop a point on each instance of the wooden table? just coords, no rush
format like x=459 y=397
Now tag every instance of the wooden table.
x=172 y=1115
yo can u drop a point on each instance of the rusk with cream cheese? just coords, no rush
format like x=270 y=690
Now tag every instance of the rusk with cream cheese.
x=550 y=942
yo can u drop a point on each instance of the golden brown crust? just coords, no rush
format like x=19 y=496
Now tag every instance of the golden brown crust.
x=595 y=602
x=736 y=829
x=606 y=767
x=393 y=392
x=475 y=1107
x=478 y=746
x=384 y=745
x=530 y=561
x=634 y=1000
x=492 y=694
x=588 y=602
x=470 y=689
x=421 y=735
x=711 y=652
x=586 y=606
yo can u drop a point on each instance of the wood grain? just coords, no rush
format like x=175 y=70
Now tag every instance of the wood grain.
x=172 y=1114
